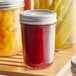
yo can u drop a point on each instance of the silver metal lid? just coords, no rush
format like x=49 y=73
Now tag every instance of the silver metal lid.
x=73 y=63
x=6 y=4
x=37 y=17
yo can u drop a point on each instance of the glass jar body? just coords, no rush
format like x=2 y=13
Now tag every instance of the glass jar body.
x=10 y=31
x=38 y=45
x=66 y=20
x=66 y=24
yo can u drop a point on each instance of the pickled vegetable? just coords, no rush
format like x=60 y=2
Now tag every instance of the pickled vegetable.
x=43 y=4
x=10 y=32
x=64 y=28
x=36 y=4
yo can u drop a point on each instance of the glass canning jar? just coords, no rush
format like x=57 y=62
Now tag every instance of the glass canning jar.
x=10 y=31
x=38 y=37
x=66 y=20
x=66 y=24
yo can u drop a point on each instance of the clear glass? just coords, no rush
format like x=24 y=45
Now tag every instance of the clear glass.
x=66 y=25
x=10 y=32
x=64 y=30
x=38 y=45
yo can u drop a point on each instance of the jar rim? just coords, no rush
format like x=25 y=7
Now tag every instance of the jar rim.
x=11 y=4
x=38 y=17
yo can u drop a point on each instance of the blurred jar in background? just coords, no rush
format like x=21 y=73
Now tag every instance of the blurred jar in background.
x=66 y=20
x=44 y=4
x=29 y=4
x=10 y=31
x=66 y=25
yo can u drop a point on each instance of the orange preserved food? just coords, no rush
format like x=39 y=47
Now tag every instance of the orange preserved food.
x=27 y=4
x=10 y=31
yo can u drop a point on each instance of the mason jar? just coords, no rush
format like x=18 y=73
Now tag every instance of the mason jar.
x=66 y=20
x=10 y=30
x=66 y=24
x=38 y=37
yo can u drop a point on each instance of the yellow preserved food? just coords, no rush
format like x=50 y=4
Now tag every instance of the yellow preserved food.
x=64 y=27
x=10 y=32
x=36 y=4
x=43 y=4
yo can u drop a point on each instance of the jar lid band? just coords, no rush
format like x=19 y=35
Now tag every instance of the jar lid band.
x=38 y=17
x=11 y=3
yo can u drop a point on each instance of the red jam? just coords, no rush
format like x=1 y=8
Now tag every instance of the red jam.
x=34 y=41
